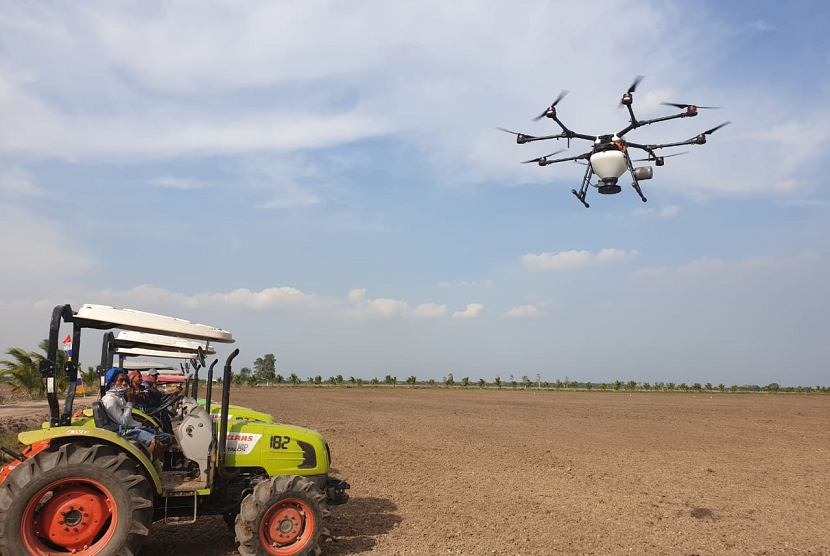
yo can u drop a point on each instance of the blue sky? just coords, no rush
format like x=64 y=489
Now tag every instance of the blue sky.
x=325 y=180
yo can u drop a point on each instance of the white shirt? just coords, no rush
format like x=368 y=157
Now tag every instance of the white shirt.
x=119 y=410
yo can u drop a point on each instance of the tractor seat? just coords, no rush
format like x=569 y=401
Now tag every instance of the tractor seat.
x=102 y=420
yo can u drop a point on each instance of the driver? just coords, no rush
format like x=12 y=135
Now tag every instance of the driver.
x=118 y=402
x=150 y=384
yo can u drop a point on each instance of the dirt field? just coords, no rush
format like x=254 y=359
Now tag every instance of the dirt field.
x=519 y=472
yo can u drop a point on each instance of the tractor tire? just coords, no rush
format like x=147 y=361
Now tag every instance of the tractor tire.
x=283 y=516
x=86 y=500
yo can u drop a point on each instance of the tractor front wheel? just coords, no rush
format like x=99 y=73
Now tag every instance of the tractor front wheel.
x=87 y=500
x=282 y=517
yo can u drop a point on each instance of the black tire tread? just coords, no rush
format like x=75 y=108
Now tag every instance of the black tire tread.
x=264 y=495
x=102 y=457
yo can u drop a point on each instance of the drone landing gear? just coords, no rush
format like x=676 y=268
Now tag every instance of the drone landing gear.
x=636 y=187
x=581 y=197
x=583 y=189
x=635 y=183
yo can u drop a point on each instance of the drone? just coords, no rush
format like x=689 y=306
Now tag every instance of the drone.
x=609 y=156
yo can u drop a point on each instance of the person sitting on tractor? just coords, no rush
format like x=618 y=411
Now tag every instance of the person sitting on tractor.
x=139 y=395
x=150 y=385
x=118 y=403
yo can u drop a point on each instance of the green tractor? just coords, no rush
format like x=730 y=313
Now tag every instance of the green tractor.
x=81 y=487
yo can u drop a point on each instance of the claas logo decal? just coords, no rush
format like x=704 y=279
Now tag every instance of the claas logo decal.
x=241 y=443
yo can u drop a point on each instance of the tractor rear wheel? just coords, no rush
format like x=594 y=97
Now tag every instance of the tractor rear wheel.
x=282 y=517
x=87 y=500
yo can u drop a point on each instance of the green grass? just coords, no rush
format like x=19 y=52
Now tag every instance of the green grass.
x=8 y=439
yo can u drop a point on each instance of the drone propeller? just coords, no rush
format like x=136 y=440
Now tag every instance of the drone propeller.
x=634 y=85
x=520 y=137
x=714 y=129
x=692 y=106
x=542 y=160
x=626 y=98
x=552 y=108
x=701 y=139
x=653 y=158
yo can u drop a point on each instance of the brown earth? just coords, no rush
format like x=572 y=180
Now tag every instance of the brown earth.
x=486 y=472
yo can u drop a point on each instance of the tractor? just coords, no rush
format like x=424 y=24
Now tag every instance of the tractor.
x=82 y=487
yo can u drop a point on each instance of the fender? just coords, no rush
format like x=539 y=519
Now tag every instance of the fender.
x=47 y=436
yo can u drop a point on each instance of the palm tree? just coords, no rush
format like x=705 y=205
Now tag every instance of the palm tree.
x=278 y=379
x=294 y=379
x=603 y=386
x=431 y=382
x=617 y=385
x=374 y=381
x=497 y=382
x=411 y=380
x=339 y=380
x=25 y=370
x=482 y=383
x=465 y=382
x=90 y=378
x=388 y=380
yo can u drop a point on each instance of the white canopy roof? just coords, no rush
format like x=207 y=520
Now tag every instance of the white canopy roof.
x=146 y=366
x=130 y=339
x=139 y=321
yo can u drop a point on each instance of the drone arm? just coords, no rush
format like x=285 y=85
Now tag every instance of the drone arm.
x=545 y=137
x=635 y=124
x=567 y=133
x=580 y=157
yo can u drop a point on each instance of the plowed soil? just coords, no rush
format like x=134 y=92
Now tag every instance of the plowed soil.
x=526 y=472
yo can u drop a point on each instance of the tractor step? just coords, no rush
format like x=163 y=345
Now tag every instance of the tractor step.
x=182 y=520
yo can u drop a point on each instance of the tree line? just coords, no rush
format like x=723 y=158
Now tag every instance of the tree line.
x=22 y=371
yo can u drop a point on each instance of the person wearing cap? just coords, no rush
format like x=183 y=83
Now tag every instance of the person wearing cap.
x=150 y=386
x=118 y=403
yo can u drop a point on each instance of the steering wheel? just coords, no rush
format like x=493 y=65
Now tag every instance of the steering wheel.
x=167 y=401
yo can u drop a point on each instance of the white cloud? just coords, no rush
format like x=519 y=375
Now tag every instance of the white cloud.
x=356 y=295
x=522 y=311
x=428 y=310
x=472 y=311
x=243 y=298
x=565 y=260
x=18 y=182
x=669 y=211
x=178 y=183
x=388 y=308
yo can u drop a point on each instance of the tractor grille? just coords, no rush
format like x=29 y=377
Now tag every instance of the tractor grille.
x=309 y=456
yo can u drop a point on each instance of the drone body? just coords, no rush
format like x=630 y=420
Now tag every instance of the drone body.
x=609 y=156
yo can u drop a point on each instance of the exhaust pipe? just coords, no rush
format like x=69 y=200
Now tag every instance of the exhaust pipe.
x=223 y=420
x=209 y=385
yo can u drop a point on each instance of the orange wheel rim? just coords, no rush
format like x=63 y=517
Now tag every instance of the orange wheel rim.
x=287 y=527
x=75 y=516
